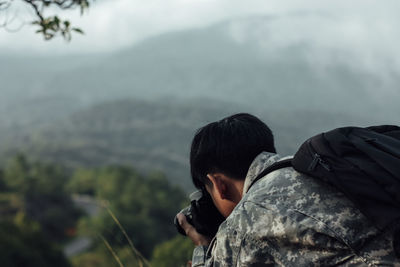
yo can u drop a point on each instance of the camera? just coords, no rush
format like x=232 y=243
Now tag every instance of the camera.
x=202 y=214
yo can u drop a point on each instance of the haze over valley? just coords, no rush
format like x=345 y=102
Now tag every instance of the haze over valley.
x=141 y=105
x=95 y=133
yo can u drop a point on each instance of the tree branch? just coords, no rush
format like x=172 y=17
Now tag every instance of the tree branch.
x=5 y=5
x=50 y=26
x=35 y=8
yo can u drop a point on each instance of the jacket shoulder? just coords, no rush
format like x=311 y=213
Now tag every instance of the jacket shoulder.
x=302 y=203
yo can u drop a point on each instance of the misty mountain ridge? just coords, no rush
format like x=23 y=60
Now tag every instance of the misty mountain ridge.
x=151 y=136
x=141 y=106
x=226 y=61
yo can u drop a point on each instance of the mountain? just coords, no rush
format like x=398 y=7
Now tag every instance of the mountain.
x=230 y=61
x=150 y=136
x=141 y=105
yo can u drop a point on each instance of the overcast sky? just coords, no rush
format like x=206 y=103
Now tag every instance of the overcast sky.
x=368 y=30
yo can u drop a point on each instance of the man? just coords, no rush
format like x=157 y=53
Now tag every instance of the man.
x=285 y=218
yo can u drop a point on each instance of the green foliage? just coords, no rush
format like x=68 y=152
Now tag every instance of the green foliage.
x=91 y=259
x=83 y=181
x=36 y=197
x=145 y=207
x=41 y=189
x=101 y=257
x=23 y=244
x=35 y=178
x=173 y=253
x=51 y=26
x=3 y=186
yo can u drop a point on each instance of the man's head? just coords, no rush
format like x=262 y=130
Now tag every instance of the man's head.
x=226 y=148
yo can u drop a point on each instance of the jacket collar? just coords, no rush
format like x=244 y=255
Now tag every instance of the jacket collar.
x=260 y=163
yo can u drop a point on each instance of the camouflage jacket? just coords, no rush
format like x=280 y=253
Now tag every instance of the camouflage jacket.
x=289 y=219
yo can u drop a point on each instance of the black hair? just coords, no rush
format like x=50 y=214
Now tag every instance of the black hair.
x=228 y=146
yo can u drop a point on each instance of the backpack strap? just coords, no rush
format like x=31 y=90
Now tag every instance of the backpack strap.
x=275 y=166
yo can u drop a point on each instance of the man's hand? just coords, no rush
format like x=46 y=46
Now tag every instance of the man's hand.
x=198 y=239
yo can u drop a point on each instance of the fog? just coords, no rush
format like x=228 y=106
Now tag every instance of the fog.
x=302 y=66
x=107 y=119
x=366 y=29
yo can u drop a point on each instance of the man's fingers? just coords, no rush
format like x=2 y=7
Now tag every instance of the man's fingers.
x=198 y=239
x=184 y=223
x=181 y=218
x=186 y=226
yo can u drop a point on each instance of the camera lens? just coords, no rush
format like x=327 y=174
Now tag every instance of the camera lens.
x=202 y=214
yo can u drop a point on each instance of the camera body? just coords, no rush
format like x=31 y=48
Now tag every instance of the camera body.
x=202 y=214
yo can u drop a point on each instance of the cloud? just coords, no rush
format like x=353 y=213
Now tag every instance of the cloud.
x=365 y=35
x=361 y=32
x=110 y=25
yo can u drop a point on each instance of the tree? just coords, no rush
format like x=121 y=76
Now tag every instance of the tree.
x=49 y=25
x=144 y=205
x=175 y=252
x=42 y=190
x=23 y=244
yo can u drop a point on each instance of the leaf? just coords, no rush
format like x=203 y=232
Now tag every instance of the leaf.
x=52 y=26
x=56 y=20
x=78 y=30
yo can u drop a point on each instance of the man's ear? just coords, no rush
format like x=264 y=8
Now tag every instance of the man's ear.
x=219 y=184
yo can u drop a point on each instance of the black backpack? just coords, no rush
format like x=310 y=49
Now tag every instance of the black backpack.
x=363 y=163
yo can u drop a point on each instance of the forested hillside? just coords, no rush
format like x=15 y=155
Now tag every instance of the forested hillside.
x=141 y=106
x=211 y=62
x=153 y=136
x=38 y=216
